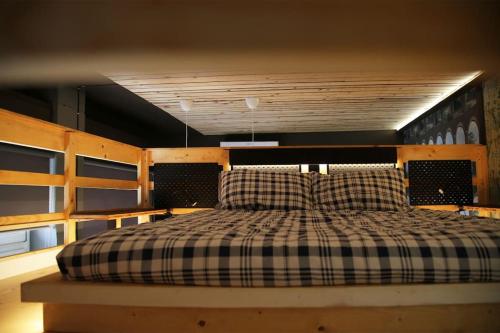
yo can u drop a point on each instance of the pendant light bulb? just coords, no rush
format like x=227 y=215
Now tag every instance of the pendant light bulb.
x=186 y=105
x=252 y=102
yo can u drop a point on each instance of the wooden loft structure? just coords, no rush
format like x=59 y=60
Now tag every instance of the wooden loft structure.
x=25 y=131
x=21 y=130
x=67 y=304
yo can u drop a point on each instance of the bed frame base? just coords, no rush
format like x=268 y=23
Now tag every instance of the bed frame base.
x=72 y=318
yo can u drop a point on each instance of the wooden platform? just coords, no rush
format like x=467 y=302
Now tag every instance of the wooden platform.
x=71 y=306
x=54 y=289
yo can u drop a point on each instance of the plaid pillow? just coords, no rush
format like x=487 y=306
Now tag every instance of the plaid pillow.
x=254 y=189
x=362 y=190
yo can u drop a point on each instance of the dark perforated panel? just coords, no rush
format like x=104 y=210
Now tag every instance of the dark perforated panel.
x=179 y=185
x=440 y=182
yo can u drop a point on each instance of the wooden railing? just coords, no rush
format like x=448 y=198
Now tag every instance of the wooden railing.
x=25 y=131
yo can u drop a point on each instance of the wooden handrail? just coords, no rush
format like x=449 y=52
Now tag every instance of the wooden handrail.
x=9 y=177
x=30 y=218
x=26 y=131
x=105 y=183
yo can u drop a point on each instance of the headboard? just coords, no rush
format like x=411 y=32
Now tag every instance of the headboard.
x=407 y=157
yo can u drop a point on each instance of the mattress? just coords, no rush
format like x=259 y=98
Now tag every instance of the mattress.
x=274 y=248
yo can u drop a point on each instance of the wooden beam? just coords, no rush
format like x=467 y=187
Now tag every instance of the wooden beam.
x=116 y=213
x=143 y=219
x=105 y=149
x=55 y=289
x=440 y=152
x=69 y=186
x=143 y=199
x=482 y=174
x=430 y=319
x=30 y=132
x=8 y=227
x=117 y=184
x=31 y=218
x=70 y=231
x=8 y=177
x=180 y=211
x=450 y=208
x=190 y=155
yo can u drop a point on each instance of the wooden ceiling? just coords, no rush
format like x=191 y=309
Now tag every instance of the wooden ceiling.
x=294 y=102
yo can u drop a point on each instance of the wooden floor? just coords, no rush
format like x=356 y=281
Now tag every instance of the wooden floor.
x=14 y=315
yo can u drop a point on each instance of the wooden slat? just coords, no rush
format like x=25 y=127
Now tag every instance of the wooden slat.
x=295 y=101
x=190 y=155
x=69 y=186
x=101 y=148
x=143 y=219
x=143 y=179
x=450 y=208
x=117 y=184
x=73 y=318
x=28 y=225
x=33 y=252
x=55 y=289
x=8 y=177
x=24 y=219
x=180 y=211
x=31 y=132
x=116 y=213
x=486 y=208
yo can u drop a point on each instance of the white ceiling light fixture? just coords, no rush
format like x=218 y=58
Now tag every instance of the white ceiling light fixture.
x=252 y=103
x=435 y=101
x=186 y=106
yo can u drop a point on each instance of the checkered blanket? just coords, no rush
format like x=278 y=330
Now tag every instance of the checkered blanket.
x=274 y=248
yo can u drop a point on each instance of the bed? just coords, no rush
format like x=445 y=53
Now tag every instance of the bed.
x=277 y=248
x=339 y=247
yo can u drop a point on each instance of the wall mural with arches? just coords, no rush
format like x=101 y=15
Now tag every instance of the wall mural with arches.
x=459 y=119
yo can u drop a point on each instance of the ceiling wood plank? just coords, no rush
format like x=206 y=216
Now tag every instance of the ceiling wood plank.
x=292 y=102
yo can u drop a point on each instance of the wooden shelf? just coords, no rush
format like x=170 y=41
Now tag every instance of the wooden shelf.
x=180 y=211
x=116 y=213
x=491 y=208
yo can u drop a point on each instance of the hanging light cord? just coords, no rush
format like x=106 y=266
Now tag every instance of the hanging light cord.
x=253 y=133
x=186 y=122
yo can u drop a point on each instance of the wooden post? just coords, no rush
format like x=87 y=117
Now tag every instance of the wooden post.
x=143 y=179
x=482 y=175
x=118 y=223
x=69 y=186
x=143 y=219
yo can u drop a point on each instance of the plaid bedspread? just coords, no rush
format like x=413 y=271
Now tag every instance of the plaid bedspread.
x=292 y=248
